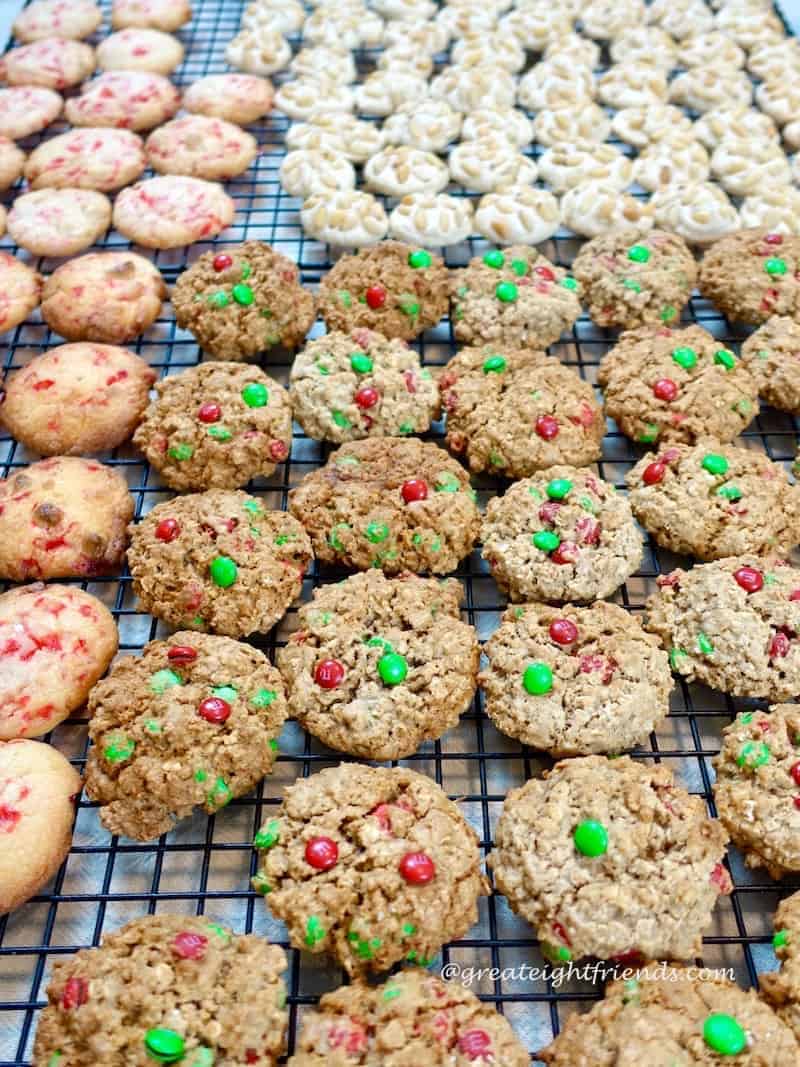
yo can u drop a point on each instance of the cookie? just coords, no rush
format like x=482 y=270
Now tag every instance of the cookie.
x=201 y=147
x=140 y=49
x=466 y=88
x=506 y=122
x=302 y=99
x=743 y=167
x=399 y=170
x=565 y=124
x=380 y=665
x=52 y=63
x=287 y=16
x=343 y=28
x=59 y=222
x=382 y=91
x=55 y=642
x=192 y=722
x=37 y=807
x=394 y=503
x=12 y=163
x=734 y=124
x=434 y=219
x=430 y=125
x=671 y=385
x=371 y=866
x=780 y=988
x=581 y=853
x=63 y=518
x=309 y=171
x=593 y=208
x=516 y=297
x=393 y=288
x=776 y=209
x=216 y=426
x=243 y=301
x=699 y=212
x=239 y=98
x=171 y=211
x=354 y=138
x=26 y=109
x=519 y=214
x=574 y=681
x=346 y=218
x=732 y=624
x=488 y=164
x=518 y=411
x=769 y=354
x=218 y=561
x=630 y=279
x=163 y=988
x=750 y=276
x=20 y=291
x=675 y=159
x=335 y=65
x=258 y=50
x=565 y=166
x=682 y=19
x=166 y=15
x=648 y=44
x=346 y=386
x=71 y=19
x=709 y=501
x=131 y=100
x=110 y=297
x=641 y=126
x=704 y=89
x=93 y=158
x=557 y=82
x=684 y=1016
x=634 y=83
x=76 y=399
x=756 y=787
x=441 y=1024
x=714 y=49
x=561 y=535
x=603 y=21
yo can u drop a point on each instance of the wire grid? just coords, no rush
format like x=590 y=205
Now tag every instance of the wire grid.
x=204 y=865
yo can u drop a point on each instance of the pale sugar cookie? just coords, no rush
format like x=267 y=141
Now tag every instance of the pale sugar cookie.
x=166 y=15
x=131 y=100
x=140 y=49
x=239 y=98
x=26 y=109
x=201 y=147
x=88 y=158
x=72 y=19
x=59 y=222
x=53 y=63
x=172 y=210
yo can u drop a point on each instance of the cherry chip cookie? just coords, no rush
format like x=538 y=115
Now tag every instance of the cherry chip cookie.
x=753 y=274
x=370 y=865
x=218 y=561
x=191 y=722
x=216 y=426
x=20 y=291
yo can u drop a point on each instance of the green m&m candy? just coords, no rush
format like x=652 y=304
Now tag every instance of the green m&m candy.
x=780 y=939
x=361 y=363
x=714 y=464
x=223 y=571
x=506 y=292
x=775 y=267
x=685 y=357
x=255 y=395
x=559 y=488
x=494 y=259
x=537 y=679
x=119 y=749
x=724 y=1035
x=376 y=532
x=724 y=358
x=494 y=365
x=164 y=679
x=591 y=838
x=638 y=254
x=519 y=267
x=181 y=452
x=546 y=540
x=165 y=1046
x=243 y=294
x=419 y=259
x=753 y=754
x=568 y=283
x=393 y=668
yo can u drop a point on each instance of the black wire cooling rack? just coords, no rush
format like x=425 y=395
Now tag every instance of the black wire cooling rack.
x=205 y=864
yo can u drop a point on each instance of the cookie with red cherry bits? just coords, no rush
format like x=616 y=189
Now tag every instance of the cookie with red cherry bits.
x=516 y=297
x=192 y=722
x=166 y=15
x=172 y=210
x=59 y=222
x=239 y=98
x=38 y=789
x=130 y=99
x=580 y=851
x=772 y=355
x=138 y=997
x=216 y=426
x=346 y=386
x=91 y=158
x=392 y=287
x=670 y=385
x=50 y=63
x=140 y=49
x=440 y=1024
x=71 y=19
x=629 y=278
x=563 y=534
x=516 y=411
x=218 y=561
x=732 y=624
x=20 y=291
x=63 y=518
x=370 y=865
x=203 y=147
x=27 y=109
x=753 y=274
x=709 y=501
x=243 y=301
x=396 y=503
x=55 y=642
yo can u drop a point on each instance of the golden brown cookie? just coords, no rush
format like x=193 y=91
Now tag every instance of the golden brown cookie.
x=753 y=274
x=770 y=354
x=20 y=291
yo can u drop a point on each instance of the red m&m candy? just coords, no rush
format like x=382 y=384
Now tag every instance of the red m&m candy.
x=665 y=389
x=214 y=709
x=563 y=631
x=414 y=489
x=76 y=993
x=329 y=673
x=222 y=261
x=417 y=868
x=779 y=645
x=654 y=473
x=189 y=946
x=375 y=297
x=545 y=272
x=749 y=579
x=475 y=1045
x=209 y=412
x=546 y=427
x=167 y=530
x=567 y=552
x=182 y=654
x=322 y=853
x=367 y=397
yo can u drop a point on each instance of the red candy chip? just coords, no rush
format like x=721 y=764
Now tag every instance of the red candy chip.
x=721 y=879
x=563 y=631
x=182 y=654
x=76 y=993
x=375 y=296
x=546 y=427
x=797 y=802
x=794 y=770
x=749 y=579
x=189 y=946
x=222 y=261
x=545 y=272
x=417 y=868
x=774 y=239
x=214 y=709
x=567 y=552
x=367 y=397
x=414 y=489
x=210 y=412
x=795 y=594
x=654 y=473
x=167 y=530
x=278 y=449
x=322 y=853
x=475 y=1043
x=329 y=673
x=779 y=646
x=665 y=389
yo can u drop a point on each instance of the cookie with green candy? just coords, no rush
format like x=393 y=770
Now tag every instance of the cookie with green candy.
x=732 y=624
x=346 y=386
x=392 y=287
x=370 y=865
x=667 y=385
x=394 y=503
x=610 y=857
x=770 y=354
x=781 y=988
x=514 y=297
x=218 y=561
x=136 y=998
x=629 y=278
x=516 y=411
x=192 y=722
x=757 y=790
x=672 y=1015
x=752 y=275
x=217 y=426
x=243 y=301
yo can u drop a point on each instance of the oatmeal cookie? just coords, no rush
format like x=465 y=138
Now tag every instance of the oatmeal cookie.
x=771 y=356
x=752 y=275
x=172 y=210
x=781 y=988
x=131 y=100
x=20 y=291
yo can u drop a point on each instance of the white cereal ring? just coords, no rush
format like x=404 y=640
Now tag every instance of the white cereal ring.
x=641 y=126
x=701 y=213
x=400 y=170
x=565 y=166
x=435 y=220
x=594 y=208
x=521 y=215
x=314 y=170
x=345 y=219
